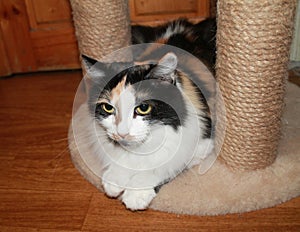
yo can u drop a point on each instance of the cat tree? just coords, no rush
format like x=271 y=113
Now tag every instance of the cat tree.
x=253 y=42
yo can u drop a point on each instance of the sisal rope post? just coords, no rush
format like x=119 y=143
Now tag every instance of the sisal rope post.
x=102 y=26
x=253 y=42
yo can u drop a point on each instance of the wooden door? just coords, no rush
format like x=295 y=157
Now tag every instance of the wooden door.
x=36 y=35
x=156 y=11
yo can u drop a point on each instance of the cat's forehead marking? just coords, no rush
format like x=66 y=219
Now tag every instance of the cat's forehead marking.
x=116 y=92
x=125 y=106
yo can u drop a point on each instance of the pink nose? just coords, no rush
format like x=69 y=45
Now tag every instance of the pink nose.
x=122 y=135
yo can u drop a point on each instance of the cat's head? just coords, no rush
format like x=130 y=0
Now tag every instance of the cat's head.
x=130 y=100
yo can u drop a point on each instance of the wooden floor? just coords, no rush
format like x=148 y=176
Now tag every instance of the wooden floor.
x=40 y=190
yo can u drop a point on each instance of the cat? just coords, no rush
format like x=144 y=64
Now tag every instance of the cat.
x=144 y=112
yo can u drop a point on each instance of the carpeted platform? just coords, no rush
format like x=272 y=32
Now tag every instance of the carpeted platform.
x=221 y=190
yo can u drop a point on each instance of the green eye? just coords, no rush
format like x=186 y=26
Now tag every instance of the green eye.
x=143 y=109
x=108 y=108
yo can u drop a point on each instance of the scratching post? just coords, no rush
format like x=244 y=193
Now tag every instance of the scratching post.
x=102 y=26
x=253 y=42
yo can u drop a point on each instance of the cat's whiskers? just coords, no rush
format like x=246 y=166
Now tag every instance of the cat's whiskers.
x=60 y=140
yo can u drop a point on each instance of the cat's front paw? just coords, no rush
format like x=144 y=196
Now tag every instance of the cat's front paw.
x=112 y=190
x=138 y=199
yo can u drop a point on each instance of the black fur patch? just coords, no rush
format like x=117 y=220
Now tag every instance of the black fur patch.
x=165 y=98
x=198 y=39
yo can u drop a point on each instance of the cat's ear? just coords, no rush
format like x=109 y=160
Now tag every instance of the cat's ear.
x=93 y=67
x=96 y=69
x=166 y=67
x=88 y=62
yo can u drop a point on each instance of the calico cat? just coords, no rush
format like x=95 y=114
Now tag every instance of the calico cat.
x=150 y=115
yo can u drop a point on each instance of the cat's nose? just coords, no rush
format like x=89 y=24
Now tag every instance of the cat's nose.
x=122 y=129
x=122 y=135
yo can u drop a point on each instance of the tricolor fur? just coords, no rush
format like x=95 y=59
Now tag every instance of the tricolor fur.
x=139 y=105
x=198 y=39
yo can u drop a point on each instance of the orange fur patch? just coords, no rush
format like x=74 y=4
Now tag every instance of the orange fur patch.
x=116 y=92
x=161 y=40
x=191 y=91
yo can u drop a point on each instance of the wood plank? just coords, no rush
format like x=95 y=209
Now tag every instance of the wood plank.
x=43 y=209
x=146 y=7
x=142 y=11
x=31 y=229
x=5 y=68
x=52 y=11
x=204 y=8
x=40 y=189
x=15 y=30
x=38 y=157
x=47 y=42
x=49 y=14
x=56 y=49
x=43 y=168
x=53 y=35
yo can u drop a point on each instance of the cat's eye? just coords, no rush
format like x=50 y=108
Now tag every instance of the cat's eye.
x=107 y=108
x=143 y=109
